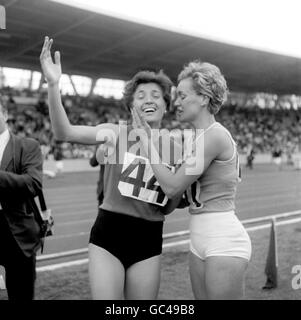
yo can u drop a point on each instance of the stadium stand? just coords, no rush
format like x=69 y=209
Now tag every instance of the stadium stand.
x=250 y=125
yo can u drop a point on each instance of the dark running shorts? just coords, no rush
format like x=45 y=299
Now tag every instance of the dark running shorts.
x=128 y=238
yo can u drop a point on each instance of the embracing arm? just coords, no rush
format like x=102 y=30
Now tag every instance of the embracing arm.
x=171 y=205
x=174 y=184
x=62 y=128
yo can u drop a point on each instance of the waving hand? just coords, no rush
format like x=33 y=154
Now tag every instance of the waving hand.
x=52 y=71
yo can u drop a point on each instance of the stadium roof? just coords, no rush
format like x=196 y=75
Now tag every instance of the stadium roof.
x=97 y=46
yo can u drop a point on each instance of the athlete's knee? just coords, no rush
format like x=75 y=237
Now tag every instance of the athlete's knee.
x=225 y=278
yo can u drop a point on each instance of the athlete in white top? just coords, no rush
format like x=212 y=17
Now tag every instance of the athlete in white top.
x=220 y=246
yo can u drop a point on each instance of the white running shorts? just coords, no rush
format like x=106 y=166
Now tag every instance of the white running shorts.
x=219 y=234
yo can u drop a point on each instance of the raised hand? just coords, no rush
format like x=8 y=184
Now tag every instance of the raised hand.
x=143 y=130
x=52 y=71
x=140 y=123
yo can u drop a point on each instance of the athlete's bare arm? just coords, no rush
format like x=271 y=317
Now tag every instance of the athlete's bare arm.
x=174 y=184
x=62 y=128
x=171 y=205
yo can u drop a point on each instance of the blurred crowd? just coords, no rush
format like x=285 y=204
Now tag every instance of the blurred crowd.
x=251 y=125
x=263 y=129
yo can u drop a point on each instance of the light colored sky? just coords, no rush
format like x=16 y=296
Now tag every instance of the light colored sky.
x=269 y=25
x=20 y=78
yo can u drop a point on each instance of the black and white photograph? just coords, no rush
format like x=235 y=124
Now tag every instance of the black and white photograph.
x=150 y=150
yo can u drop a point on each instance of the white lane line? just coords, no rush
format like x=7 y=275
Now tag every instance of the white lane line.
x=58 y=206
x=70 y=206
x=168 y=220
x=58 y=215
x=167 y=245
x=246 y=221
x=277 y=216
x=268 y=225
x=61 y=254
x=67 y=223
x=175 y=243
x=64 y=236
x=62 y=265
x=75 y=222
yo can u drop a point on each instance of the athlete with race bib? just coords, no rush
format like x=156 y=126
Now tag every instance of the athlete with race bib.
x=126 y=239
x=220 y=247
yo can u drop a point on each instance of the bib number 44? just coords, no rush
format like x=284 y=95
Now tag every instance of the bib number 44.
x=137 y=181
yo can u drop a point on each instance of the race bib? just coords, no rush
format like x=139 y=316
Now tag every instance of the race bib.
x=137 y=180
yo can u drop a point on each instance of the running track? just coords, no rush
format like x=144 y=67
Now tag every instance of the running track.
x=72 y=198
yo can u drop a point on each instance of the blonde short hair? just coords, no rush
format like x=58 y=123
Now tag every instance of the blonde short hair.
x=207 y=80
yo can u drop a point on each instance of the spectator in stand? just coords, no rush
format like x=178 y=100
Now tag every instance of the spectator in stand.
x=250 y=157
x=289 y=153
x=262 y=127
x=277 y=156
x=58 y=157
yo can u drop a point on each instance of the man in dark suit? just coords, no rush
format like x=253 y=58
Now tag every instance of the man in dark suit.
x=20 y=182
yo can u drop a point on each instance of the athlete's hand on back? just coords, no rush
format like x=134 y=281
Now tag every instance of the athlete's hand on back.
x=52 y=71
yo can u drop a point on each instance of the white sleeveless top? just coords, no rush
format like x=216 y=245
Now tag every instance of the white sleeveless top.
x=215 y=189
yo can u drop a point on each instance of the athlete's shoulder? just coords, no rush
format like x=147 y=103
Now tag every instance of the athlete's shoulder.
x=219 y=134
x=216 y=141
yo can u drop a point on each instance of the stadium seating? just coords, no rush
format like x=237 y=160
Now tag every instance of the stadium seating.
x=260 y=127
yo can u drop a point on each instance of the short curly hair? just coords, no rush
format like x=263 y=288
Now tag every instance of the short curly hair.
x=147 y=76
x=207 y=80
